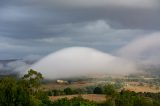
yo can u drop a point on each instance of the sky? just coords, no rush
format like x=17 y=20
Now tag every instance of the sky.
x=124 y=28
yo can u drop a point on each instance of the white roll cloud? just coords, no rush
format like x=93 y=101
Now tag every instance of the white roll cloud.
x=80 y=61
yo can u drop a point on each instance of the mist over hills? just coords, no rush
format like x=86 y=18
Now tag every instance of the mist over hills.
x=75 y=61
x=15 y=66
x=151 y=69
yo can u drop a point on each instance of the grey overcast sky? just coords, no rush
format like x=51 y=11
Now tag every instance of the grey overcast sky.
x=129 y=28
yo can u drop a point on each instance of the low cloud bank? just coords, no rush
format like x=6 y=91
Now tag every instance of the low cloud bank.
x=79 y=61
x=144 y=50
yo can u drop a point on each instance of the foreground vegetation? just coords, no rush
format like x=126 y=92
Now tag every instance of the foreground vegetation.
x=26 y=91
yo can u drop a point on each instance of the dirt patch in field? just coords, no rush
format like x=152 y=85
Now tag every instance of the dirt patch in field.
x=141 y=89
x=52 y=86
x=90 y=97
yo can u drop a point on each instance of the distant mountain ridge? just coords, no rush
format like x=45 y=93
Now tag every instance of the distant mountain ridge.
x=7 y=61
x=4 y=71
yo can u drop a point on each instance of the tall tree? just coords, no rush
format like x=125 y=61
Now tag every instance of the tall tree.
x=33 y=79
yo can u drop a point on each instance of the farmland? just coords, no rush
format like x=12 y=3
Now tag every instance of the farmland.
x=90 y=97
x=136 y=83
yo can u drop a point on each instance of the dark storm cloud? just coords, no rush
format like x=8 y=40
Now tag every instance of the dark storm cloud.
x=92 y=34
x=31 y=19
x=40 y=27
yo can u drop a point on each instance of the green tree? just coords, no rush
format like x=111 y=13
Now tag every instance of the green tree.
x=8 y=89
x=14 y=93
x=109 y=89
x=68 y=91
x=98 y=90
x=44 y=99
x=33 y=78
x=18 y=92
